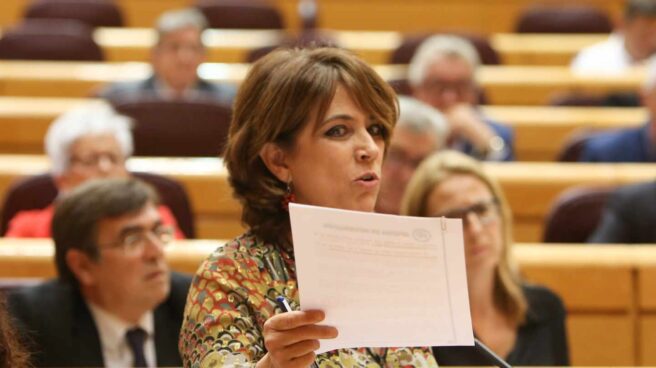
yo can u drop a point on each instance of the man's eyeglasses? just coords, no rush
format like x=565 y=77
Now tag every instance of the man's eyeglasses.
x=461 y=87
x=95 y=159
x=398 y=157
x=134 y=242
x=486 y=212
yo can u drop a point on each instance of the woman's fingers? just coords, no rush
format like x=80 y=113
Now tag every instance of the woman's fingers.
x=290 y=320
x=275 y=339
x=291 y=338
x=304 y=361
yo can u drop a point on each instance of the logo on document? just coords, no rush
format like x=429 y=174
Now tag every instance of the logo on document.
x=421 y=235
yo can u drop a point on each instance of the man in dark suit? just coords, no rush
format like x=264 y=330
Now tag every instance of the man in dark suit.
x=115 y=303
x=629 y=216
x=635 y=144
x=442 y=74
x=175 y=59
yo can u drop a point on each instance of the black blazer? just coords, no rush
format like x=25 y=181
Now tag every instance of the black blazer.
x=60 y=330
x=629 y=216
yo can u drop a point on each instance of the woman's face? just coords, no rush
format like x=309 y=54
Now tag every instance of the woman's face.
x=465 y=196
x=336 y=161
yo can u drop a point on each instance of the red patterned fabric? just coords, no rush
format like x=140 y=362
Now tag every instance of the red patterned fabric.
x=36 y=223
x=233 y=294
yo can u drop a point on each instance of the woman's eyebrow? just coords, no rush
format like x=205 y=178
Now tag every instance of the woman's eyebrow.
x=332 y=118
x=337 y=117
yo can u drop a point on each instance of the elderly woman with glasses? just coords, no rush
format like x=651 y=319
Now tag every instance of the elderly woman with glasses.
x=522 y=323
x=91 y=141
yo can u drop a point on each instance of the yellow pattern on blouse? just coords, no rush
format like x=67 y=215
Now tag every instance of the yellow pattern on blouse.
x=233 y=293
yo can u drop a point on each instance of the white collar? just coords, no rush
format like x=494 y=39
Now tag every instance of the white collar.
x=112 y=329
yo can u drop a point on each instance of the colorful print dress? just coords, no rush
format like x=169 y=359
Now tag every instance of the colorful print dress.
x=233 y=294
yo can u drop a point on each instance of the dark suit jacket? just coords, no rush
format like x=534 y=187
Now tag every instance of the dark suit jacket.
x=502 y=131
x=624 y=145
x=61 y=332
x=126 y=91
x=629 y=216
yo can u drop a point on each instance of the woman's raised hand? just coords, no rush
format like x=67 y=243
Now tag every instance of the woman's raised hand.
x=291 y=339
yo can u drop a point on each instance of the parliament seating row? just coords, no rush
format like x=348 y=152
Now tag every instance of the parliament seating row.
x=540 y=132
x=604 y=288
x=530 y=187
x=504 y=85
x=376 y=47
x=490 y=16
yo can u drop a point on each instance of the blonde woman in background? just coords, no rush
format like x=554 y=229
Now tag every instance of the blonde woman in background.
x=522 y=323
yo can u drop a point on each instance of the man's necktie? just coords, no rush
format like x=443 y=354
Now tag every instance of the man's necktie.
x=136 y=338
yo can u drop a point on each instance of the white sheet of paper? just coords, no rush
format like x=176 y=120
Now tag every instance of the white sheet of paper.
x=382 y=280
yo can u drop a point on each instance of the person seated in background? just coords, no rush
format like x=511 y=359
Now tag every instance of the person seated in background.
x=442 y=73
x=636 y=144
x=90 y=141
x=115 y=302
x=12 y=353
x=629 y=216
x=632 y=44
x=175 y=59
x=522 y=323
x=419 y=131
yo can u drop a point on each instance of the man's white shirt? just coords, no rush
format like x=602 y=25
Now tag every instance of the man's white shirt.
x=112 y=330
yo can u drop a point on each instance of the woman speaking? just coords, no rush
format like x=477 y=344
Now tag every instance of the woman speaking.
x=309 y=126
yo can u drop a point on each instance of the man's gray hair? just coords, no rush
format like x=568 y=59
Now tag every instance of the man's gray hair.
x=93 y=118
x=440 y=46
x=643 y=8
x=174 y=20
x=421 y=118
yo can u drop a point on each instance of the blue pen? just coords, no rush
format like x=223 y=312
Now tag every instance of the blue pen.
x=284 y=305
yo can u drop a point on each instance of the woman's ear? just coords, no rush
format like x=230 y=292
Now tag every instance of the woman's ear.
x=275 y=159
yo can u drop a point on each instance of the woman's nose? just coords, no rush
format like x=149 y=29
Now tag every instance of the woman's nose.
x=472 y=223
x=367 y=149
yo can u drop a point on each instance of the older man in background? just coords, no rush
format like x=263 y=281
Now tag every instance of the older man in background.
x=89 y=142
x=420 y=131
x=442 y=73
x=175 y=59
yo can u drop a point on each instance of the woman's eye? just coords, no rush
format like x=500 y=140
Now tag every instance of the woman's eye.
x=376 y=130
x=336 y=131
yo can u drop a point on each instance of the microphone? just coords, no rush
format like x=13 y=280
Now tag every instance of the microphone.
x=468 y=356
x=490 y=355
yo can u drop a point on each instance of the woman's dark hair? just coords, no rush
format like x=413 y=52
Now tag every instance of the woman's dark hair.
x=12 y=353
x=281 y=94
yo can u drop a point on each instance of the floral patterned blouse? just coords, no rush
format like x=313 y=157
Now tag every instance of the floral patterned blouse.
x=233 y=294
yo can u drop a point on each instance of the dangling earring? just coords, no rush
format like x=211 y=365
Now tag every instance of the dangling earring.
x=288 y=197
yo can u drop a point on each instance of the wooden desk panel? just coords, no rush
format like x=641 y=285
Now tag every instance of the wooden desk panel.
x=421 y=15
x=647 y=287
x=596 y=340
x=413 y=15
x=186 y=256
x=529 y=187
x=647 y=338
x=597 y=336
x=376 y=47
x=509 y=85
x=138 y=13
x=539 y=131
